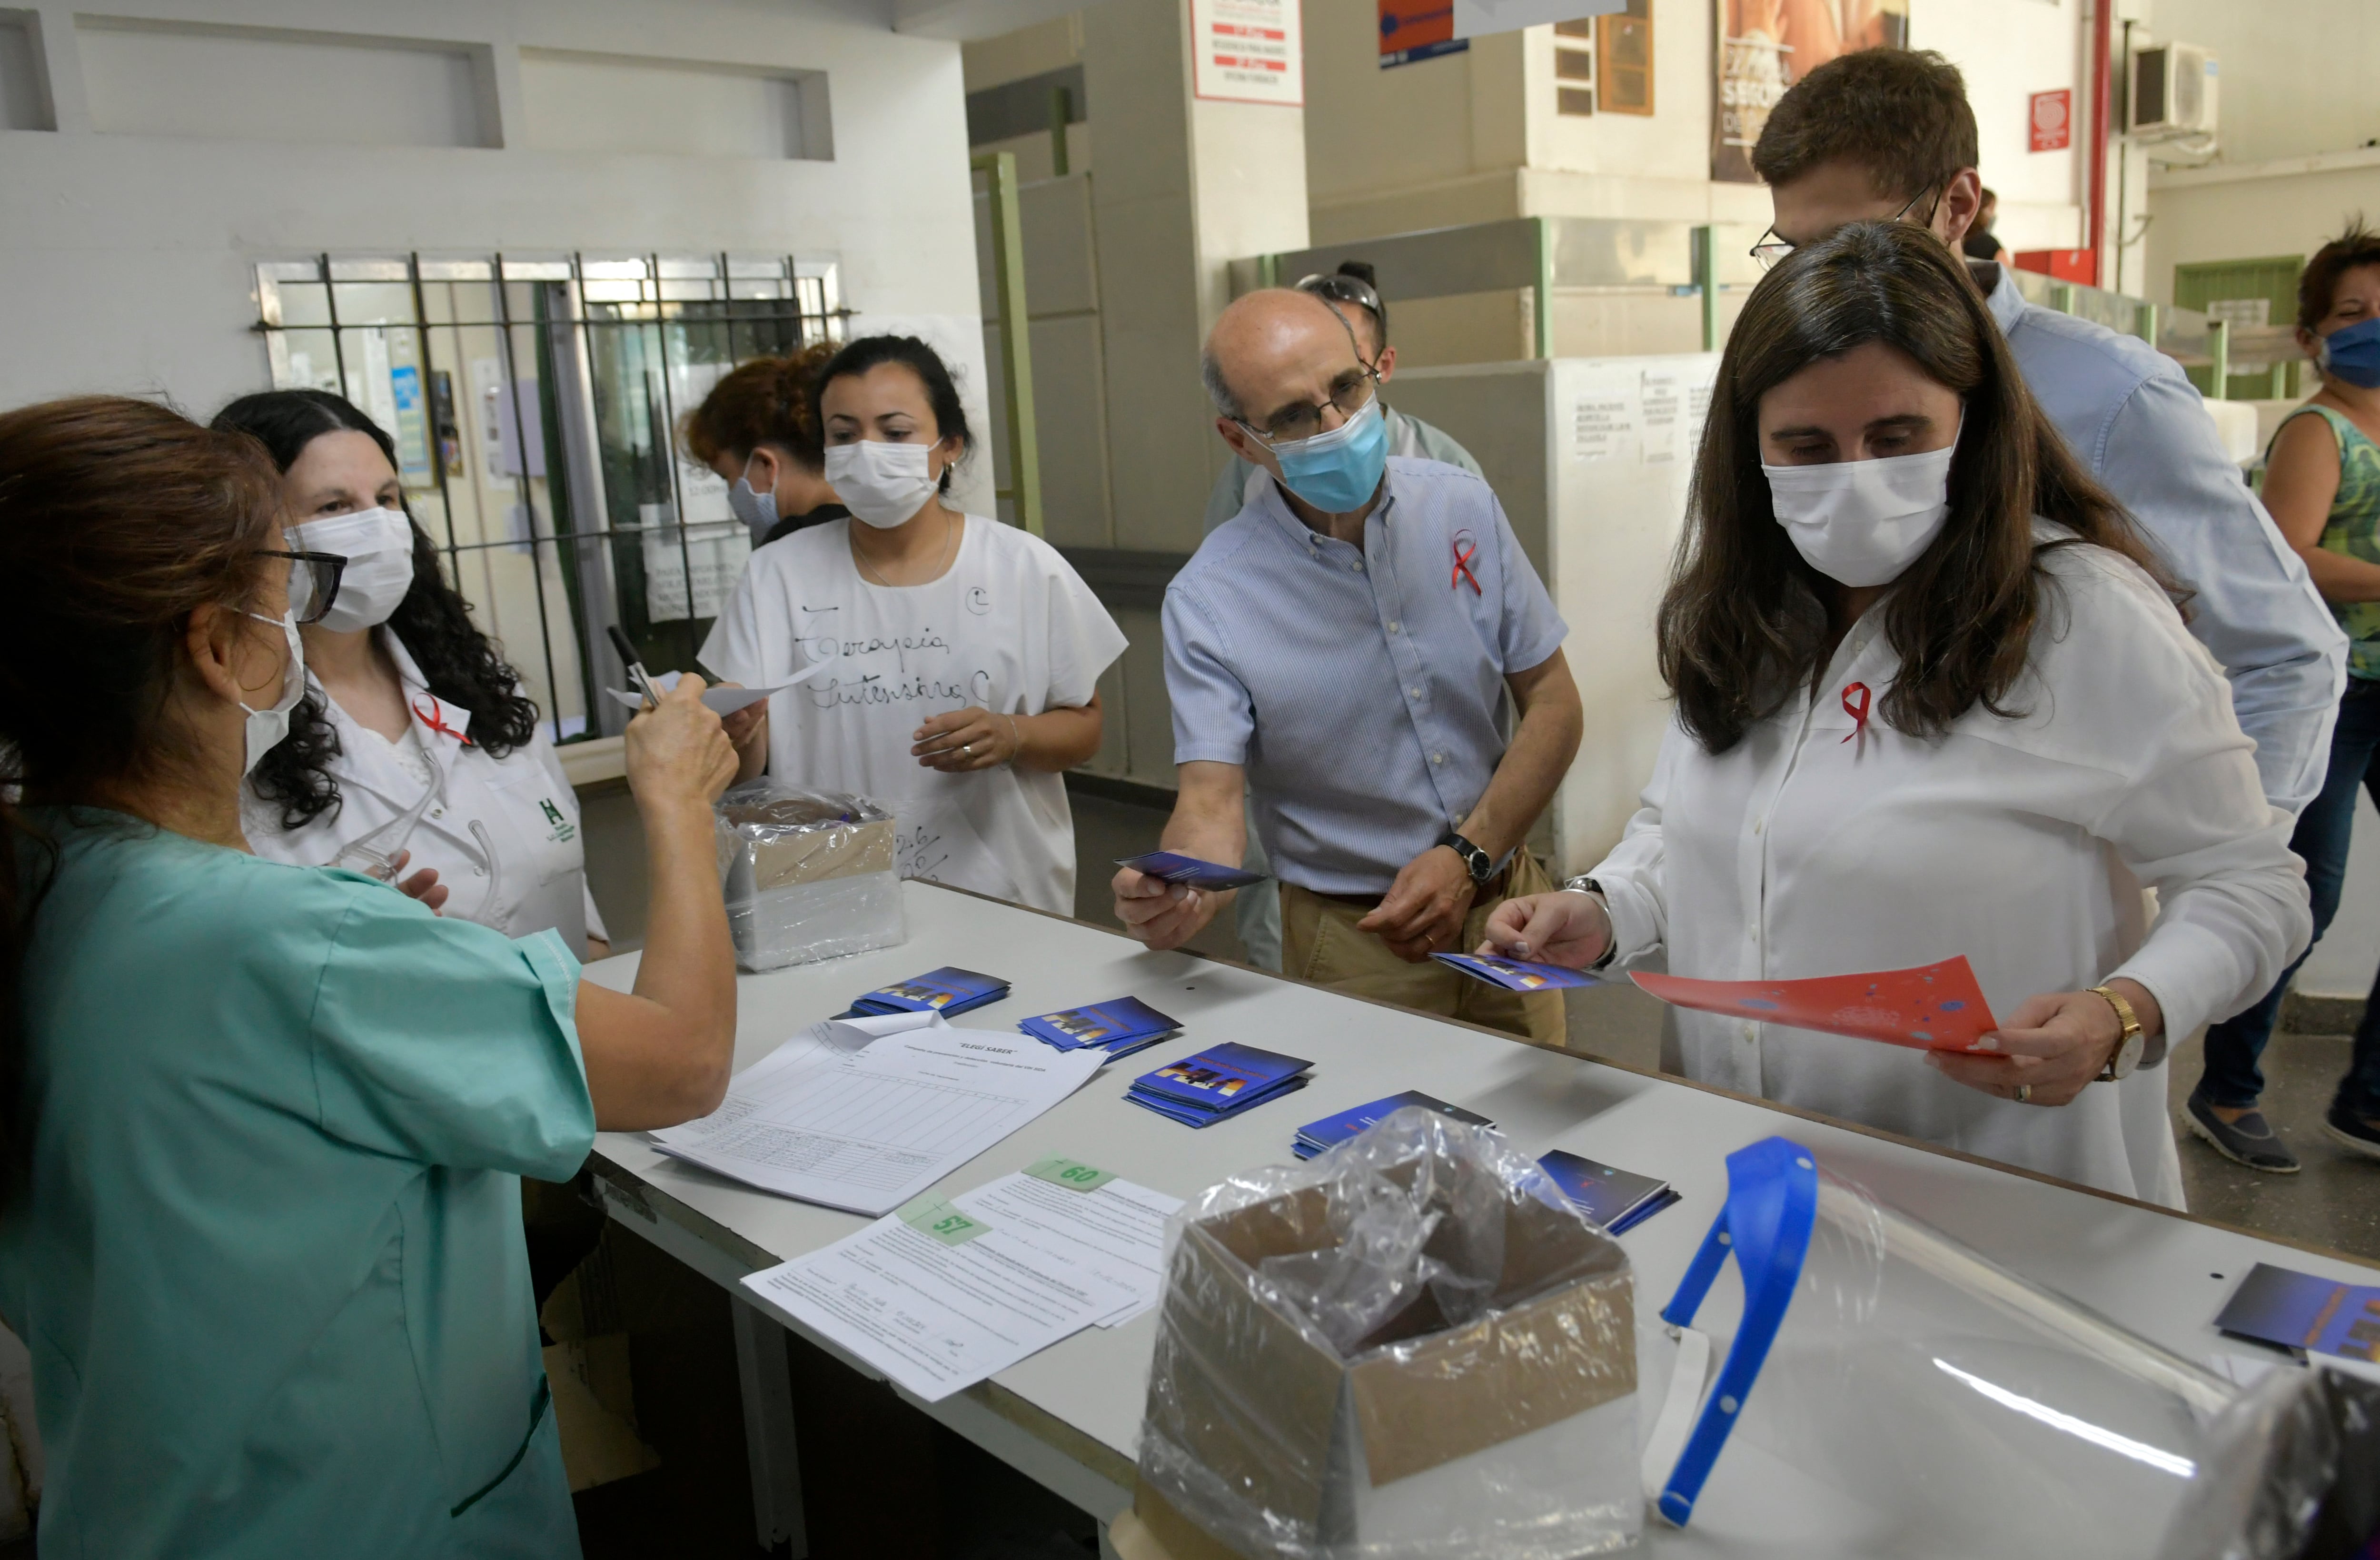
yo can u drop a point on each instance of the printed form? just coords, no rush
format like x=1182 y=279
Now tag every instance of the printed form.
x=865 y=1114
x=943 y=1294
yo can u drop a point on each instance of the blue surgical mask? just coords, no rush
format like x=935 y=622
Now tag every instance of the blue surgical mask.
x=2352 y=353
x=757 y=510
x=1338 y=471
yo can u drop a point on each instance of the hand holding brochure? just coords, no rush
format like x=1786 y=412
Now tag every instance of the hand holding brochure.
x=1218 y=1083
x=1189 y=872
x=1515 y=974
x=1931 y=1007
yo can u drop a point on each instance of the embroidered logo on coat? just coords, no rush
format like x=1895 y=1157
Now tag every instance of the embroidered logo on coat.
x=564 y=830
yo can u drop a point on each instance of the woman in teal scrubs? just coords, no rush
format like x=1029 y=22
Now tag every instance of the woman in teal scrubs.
x=262 y=1125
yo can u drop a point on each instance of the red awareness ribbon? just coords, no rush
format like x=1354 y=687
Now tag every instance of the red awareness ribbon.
x=434 y=718
x=1462 y=555
x=1857 y=708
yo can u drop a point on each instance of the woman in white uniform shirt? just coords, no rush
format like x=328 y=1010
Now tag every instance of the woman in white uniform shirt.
x=1933 y=700
x=965 y=654
x=404 y=691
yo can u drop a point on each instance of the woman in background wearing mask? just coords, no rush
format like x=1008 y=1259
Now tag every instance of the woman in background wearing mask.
x=2322 y=483
x=965 y=654
x=404 y=697
x=1932 y=700
x=757 y=430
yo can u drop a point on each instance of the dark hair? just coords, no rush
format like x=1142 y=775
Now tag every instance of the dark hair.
x=1745 y=620
x=2318 y=283
x=943 y=395
x=765 y=401
x=1901 y=114
x=118 y=520
x=460 y=664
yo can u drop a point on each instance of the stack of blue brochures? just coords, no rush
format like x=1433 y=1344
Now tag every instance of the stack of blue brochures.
x=1618 y=1199
x=1332 y=1130
x=945 y=991
x=1218 y=1083
x=1118 y=1027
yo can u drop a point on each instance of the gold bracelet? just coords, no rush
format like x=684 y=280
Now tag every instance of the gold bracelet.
x=1015 y=740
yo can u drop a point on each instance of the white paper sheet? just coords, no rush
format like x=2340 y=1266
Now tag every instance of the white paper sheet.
x=935 y=1318
x=867 y=1129
x=1117 y=1231
x=722 y=701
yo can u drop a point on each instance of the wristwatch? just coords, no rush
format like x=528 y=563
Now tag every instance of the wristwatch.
x=2128 y=1045
x=1584 y=884
x=1481 y=865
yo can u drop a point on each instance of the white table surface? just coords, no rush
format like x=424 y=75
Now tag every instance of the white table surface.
x=2164 y=1274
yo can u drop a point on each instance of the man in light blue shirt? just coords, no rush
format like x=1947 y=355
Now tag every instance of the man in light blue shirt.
x=1346 y=651
x=1886 y=133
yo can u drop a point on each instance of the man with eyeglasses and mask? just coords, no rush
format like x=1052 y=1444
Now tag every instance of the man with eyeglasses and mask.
x=1888 y=133
x=1353 y=290
x=1343 y=652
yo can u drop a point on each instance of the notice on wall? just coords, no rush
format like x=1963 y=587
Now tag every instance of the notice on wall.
x=2049 y=120
x=1663 y=398
x=1625 y=412
x=1414 y=30
x=1603 y=425
x=1477 y=18
x=1247 y=51
x=1765 y=47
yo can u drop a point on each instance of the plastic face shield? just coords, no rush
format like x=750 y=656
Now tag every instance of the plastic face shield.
x=1924 y=1393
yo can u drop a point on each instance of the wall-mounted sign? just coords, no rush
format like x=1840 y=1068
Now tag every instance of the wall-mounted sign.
x=1247 y=51
x=1763 y=46
x=2050 y=120
x=1412 y=30
x=1477 y=18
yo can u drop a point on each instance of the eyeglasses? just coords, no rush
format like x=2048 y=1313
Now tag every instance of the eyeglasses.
x=1342 y=288
x=1300 y=420
x=1771 y=248
x=313 y=582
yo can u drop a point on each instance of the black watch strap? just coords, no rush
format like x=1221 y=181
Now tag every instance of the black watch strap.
x=1481 y=865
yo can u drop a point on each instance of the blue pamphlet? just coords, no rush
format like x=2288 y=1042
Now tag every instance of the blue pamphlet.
x=1517 y=975
x=1190 y=872
x=1191 y=1117
x=1220 y=1082
x=945 y=991
x=1332 y=1130
x=1617 y=1199
x=2297 y=1311
x=1125 y=1022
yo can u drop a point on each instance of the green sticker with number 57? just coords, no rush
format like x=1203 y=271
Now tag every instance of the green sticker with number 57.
x=1072 y=1174
x=931 y=1215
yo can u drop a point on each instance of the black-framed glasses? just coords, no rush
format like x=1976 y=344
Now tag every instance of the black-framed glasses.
x=313 y=582
x=1342 y=288
x=1771 y=248
x=1300 y=420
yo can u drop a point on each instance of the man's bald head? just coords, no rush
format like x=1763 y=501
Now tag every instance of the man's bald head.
x=1267 y=345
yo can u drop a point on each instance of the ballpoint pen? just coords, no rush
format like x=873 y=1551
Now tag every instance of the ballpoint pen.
x=637 y=673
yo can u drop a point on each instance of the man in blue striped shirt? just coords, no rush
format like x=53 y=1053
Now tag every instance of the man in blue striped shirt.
x=1346 y=653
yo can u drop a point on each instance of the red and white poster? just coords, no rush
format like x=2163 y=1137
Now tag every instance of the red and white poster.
x=1763 y=46
x=1247 y=51
x=2051 y=120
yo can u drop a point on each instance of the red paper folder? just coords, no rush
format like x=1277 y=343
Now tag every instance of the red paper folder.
x=1932 y=1007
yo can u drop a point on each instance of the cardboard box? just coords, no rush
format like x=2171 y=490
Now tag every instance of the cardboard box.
x=1511 y=1434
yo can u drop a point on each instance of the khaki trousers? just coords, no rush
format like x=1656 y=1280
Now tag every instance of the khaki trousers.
x=1319 y=942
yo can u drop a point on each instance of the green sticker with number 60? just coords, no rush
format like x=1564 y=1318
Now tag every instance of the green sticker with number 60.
x=931 y=1215
x=1072 y=1174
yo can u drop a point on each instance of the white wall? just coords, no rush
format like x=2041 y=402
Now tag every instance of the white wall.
x=128 y=252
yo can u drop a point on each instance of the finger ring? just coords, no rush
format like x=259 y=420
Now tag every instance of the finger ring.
x=967 y=748
x=2024 y=1094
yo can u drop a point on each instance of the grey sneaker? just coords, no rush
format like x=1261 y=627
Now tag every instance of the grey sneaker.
x=2351 y=1131
x=2249 y=1140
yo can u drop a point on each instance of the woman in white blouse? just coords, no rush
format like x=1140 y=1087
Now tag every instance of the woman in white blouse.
x=405 y=697
x=1933 y=698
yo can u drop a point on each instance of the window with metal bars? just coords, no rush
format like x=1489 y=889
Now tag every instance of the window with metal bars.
x=535 y=404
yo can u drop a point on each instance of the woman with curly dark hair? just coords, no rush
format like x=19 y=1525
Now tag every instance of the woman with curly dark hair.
x=414 y=734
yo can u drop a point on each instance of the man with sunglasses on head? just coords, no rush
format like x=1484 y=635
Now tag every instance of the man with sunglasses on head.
x=1353 y=291
x=1344 y=652
x=1888 y=133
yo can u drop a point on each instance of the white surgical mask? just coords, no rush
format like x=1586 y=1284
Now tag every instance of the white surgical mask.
x=883 y=484
x=1861 y=522
x=378 y=545
x=266 y=727
x=757 y=508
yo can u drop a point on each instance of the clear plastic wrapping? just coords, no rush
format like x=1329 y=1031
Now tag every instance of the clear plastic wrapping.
x=2292 y=1473
x=807 y=874
x=1411 y=1347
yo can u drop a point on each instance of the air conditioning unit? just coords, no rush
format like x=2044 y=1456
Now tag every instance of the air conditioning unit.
x=2172 y=92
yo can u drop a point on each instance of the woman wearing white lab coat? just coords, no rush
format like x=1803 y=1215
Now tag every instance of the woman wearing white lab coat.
x=1933 y=700
x=405 y=697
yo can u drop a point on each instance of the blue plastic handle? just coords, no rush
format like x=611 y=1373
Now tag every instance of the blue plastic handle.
x=1772 y=1205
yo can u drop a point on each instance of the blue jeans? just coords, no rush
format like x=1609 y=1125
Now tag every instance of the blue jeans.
x=2231 y=1078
